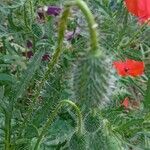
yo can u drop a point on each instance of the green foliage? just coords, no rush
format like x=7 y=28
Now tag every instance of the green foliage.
x=27 y=75
x=92 y=122
x=90 y=81
x=77 y=142
x=28 y=98
x=37 y=30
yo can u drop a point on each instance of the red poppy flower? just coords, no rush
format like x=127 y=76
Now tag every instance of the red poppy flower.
x=126 y=103
x=129 y=67
x=139 y=8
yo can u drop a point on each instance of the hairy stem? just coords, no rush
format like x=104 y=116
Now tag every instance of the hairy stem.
x=62 y=27
x=91 y=23
x=54 y=114
x=61 y=31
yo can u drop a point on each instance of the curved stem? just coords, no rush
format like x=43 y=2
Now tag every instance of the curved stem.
x=91 y=23
x=61 y=31
x=54 y=114
x=62 y=27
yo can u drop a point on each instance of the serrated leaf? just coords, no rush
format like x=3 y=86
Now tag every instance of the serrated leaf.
x=28 y=74
x=15 y=4
x=7 y=78
x=77 y=142
x=37 y=30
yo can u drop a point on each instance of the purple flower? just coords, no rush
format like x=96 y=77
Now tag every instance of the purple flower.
x=71 y=34
x=29 y=44
x=27 y=54
x=46 y=57
x=53 y=10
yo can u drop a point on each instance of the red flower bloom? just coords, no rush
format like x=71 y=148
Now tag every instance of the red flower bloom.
x=139 y=8
x=129 y=67
x=126 y=103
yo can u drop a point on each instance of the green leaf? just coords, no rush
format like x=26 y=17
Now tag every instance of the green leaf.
x=7 y=78
x=37 y=30
x=147 y=95
x=92 y=122
x=3 y=31
x=1 y=92
x=28 y=74
x=15 y=4
x=77 y=142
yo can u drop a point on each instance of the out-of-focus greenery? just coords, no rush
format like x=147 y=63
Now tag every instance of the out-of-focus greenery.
x=91 y=83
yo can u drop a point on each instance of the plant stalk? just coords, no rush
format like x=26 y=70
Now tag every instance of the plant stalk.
x=54 y=114
x=92 y=25
x=61 y=32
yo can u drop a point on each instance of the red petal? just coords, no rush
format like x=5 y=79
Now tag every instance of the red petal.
x=129 y=67
x=126 y=102
x=132 y=6
x=120 y=67
x=144 y=10
x=139 y=8
x=136 y=68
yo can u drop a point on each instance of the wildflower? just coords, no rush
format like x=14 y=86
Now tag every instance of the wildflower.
x=46 y=57
x=129 y=67
x=139 y=8
x=126 y=103
x=44 y=11
x=52 y=10
x=27 y=54
x=29 y=44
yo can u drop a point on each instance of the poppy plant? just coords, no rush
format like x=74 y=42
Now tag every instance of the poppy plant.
x=126 y=103
x=139 y=8
x=129 y=67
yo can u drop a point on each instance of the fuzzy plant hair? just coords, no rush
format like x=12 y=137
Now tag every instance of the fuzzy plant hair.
x=58 y=87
